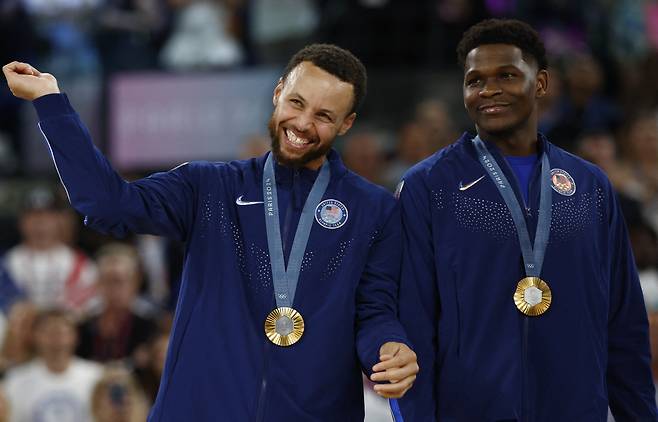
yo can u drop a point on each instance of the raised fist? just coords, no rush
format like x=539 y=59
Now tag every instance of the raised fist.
x=28 y=83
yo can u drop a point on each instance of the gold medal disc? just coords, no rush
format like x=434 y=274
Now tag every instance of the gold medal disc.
x=284 y=326
x=533 y=296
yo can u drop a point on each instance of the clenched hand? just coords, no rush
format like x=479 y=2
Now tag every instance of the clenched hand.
x=28 y=83
x=397 y=365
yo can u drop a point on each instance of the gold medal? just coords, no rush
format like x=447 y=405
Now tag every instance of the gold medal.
x=533 y=296
x=284 y=326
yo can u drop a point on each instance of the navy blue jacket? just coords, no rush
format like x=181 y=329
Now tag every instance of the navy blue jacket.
x=480 y=358
x=220 y=366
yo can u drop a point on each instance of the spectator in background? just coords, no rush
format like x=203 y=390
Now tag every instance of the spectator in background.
x=413 y=145
x=69 y=226
x=630 y=49
x=433 y=117
x=65 y=27
x=149 y=376
x=582 y=106
x=17 y=342
x=645 y=248
x=562 y=24
x=118 y=398
x=363 y=154
x=278 y=28
x=48 y=271
x=122 y=327
x=128 y=33
x=155 y=263
x=431 y=129
x=56 y=386
x=13 y=20
x=451 y=19
x=201 y=37
x=640 y=146
x=599 y=147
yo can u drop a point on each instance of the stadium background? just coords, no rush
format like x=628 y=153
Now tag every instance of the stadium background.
x=160 y=82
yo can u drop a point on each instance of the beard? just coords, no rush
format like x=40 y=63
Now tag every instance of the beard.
x=300 y=161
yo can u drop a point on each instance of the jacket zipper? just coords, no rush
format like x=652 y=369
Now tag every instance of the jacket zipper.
x=260 y=408
x=525 y=381
x=527 y=414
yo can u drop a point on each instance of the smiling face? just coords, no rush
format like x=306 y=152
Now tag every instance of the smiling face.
x=55 y=338
x=311 y=108
x=501 y=89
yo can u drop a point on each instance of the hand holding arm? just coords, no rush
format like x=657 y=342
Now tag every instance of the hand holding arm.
x=28 y=83
x=397 y=365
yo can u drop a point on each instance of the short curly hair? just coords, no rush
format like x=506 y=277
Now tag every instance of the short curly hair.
x=336 y=61
x=503 y=31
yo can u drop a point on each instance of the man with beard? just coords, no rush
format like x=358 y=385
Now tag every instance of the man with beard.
x=290 y=283
x=501 y=337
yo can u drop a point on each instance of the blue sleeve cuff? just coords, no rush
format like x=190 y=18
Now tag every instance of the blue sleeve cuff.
x=52 y=105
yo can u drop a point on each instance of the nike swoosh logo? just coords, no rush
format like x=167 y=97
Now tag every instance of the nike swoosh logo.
x=239 y=201
x=463 y=187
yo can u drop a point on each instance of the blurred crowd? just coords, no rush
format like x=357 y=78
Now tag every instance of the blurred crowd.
x=81 y=338
x=84 y=319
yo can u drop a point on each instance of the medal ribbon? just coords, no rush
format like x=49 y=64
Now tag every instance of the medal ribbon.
x=285 y=279
x=533 y=258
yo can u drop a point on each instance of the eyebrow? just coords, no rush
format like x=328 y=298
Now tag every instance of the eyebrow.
x=497 y=68
x=323 y=110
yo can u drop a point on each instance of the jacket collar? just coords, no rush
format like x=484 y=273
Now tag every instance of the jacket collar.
x=542 y=143
x=284 y=174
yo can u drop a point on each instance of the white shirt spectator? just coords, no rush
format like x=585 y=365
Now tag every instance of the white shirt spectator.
x=59 y=276
x=201 y=39
x=36 y=394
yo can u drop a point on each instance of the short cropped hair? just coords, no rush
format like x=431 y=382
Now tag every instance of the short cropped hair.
x=337 y=61
x=54 y=313
x=503 y=31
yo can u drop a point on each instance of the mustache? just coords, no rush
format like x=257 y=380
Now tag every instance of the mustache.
x=312 y=154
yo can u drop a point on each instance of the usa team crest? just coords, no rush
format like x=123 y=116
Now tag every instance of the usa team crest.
x=562 y=182
x=331 y=214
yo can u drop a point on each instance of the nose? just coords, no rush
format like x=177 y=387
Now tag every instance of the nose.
x=490 y=88
x=303 y=122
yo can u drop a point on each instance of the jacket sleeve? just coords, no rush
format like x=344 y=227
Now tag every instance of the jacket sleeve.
x=419 y=302
x=376 y=295
x=630 y=385
x=161 y=204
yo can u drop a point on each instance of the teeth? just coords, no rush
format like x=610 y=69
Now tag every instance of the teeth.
x=295 y=139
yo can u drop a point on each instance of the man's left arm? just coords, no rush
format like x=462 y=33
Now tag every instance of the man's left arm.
x=381 y=342
x=631 y=391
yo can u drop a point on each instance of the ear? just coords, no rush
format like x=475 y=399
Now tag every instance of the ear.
x=347 y=124
x=277 y=92
x=542 y=83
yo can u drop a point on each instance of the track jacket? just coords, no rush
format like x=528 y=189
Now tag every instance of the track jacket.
x=220 y=366
x=481 y=359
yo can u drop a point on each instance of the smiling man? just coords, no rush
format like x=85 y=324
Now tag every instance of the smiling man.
x=290 y=283
x=519 y=290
